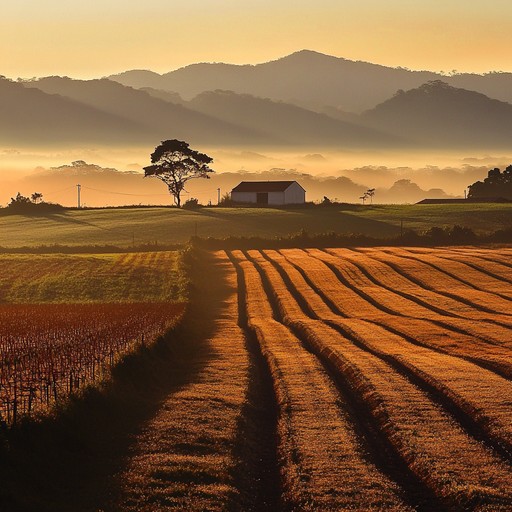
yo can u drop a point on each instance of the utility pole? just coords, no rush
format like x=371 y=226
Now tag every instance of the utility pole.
x=78 y=189
x=218 y=196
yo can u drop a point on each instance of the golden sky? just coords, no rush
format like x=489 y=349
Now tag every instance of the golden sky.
x=99 y=37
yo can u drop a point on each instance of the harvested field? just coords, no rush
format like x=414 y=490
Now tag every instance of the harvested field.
x=368 y=379
x=392 y=374
x=186 y=458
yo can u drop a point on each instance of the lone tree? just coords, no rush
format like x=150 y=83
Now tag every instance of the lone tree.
x=175 y=163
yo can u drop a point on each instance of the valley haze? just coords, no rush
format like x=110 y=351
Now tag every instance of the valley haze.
x=338 y=125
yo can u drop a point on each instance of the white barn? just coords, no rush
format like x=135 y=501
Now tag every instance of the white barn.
x=269 y=192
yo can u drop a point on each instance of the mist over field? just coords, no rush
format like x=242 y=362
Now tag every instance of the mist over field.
x=337 y=126
x=114 y=176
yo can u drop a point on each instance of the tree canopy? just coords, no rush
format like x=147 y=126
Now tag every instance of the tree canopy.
x=497 y=185
x=174 y=162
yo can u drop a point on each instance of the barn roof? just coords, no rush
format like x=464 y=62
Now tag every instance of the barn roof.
x=263 y=186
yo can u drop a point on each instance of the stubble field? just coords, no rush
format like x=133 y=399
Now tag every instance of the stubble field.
x=320 y=379
x=391 y=379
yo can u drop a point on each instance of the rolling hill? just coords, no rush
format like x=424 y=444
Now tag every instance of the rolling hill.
x=440 y=115
x=159 y=119
x=313 y=80
x=286 y=122
x=306 y=78
x=31 y=116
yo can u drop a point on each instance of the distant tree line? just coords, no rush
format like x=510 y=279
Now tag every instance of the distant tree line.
x=34 y=204
x=435 y=236
x=497 y=185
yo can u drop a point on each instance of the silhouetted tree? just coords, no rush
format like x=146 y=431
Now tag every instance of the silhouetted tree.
x=36 y=197
x=19 y=200
x=497 y=184
x=175 y=163
x=370 y=193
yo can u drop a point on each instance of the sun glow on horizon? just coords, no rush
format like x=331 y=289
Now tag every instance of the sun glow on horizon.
x=86 y=41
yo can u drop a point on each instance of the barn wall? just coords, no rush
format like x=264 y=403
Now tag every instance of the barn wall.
x=243 y=197
x=276 y=198
x=294 y=194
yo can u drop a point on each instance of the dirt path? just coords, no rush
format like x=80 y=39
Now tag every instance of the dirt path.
x=194 y=454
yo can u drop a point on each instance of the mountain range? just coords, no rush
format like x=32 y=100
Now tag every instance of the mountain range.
x=305 y=99
x=312 y=80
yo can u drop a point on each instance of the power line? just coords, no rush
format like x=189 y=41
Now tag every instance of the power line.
x=54 y=193
x=121 y=193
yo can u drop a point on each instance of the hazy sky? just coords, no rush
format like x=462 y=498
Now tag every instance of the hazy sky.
x=98 y=37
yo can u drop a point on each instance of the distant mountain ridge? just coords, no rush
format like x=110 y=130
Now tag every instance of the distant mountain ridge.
x=311 y=79
x=434 y=114
x=287 y=122
x=31 y=116
x=437 y=114
x=216 y=117
x=156 y=117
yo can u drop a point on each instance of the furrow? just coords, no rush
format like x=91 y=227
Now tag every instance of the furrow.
x=185 y=457
x=492 y=269
x=398 y=305
x=466 y=275
x=322 y=464
x=445 y=339
x=430 y=278
x=384 y=275
x=498 y=257
x=476 y=391
x=434 y=447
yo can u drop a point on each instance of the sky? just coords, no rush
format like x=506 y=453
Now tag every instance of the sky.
x=100 y=37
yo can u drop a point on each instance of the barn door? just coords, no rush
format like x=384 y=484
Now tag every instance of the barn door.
x=262 y=197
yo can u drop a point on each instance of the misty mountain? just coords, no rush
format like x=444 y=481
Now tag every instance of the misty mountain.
x=306 y=78
x=31 y=116
x=495 y=85
x=171 y=97
x=444 y=116
x=159 y=118
x=286 y=122
x=407 y=191
x=312 y=80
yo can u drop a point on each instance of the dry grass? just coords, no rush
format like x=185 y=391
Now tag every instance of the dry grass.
x=459 y=279
x=184 y=458
x=456 y=467
x=323 y=464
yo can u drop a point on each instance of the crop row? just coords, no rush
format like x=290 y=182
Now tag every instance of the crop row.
x=60 y=278
x=52 y=350
x=358 y=323
x=185 y=457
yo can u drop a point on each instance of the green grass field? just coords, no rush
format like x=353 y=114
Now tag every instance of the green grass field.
x=93 y=278
x=126 y=227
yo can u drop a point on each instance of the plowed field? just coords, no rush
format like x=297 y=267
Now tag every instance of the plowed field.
x=391 y=372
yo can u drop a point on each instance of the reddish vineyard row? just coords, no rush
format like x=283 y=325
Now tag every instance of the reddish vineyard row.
x=392 y=373
x=52 y=350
